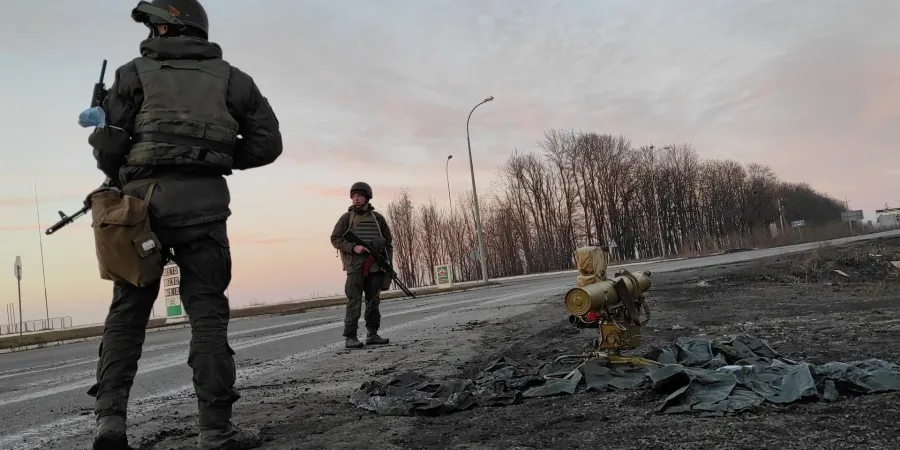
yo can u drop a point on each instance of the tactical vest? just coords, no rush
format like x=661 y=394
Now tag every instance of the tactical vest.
x=366 y=227
x=184 y=119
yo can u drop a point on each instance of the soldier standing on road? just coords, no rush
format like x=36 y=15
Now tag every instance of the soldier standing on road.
x=364 y=277
x=178 y=119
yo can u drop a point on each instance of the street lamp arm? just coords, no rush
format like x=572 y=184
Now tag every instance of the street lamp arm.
x=473 y=110
x=470 y=116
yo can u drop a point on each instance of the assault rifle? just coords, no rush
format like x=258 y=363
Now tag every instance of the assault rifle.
x=97 y=98
x=380 y=258
x=99 y=94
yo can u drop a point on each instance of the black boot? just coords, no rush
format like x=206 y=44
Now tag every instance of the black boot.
x=228 y=438
x=374 y=339
x=352 y=342
x=217 y=432
x=111 y=434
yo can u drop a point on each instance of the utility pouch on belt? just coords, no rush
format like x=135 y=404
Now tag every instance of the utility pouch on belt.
x=127 y=249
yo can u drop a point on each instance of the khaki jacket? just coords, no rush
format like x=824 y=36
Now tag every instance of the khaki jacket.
x=350 y=261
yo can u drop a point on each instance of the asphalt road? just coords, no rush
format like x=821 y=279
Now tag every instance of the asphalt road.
x=43 y=399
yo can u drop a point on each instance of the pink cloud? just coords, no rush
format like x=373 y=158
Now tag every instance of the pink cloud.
x=17 y=227
x=242 y=239
x=14 y=202
x=326 y=191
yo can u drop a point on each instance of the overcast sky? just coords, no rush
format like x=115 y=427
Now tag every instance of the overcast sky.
x=379 y=91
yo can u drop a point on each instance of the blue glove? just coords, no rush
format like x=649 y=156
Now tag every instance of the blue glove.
x=92 y=117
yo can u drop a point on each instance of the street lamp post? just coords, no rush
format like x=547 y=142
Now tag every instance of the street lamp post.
x=662 y=248
x=447 y=169
x=480 y=229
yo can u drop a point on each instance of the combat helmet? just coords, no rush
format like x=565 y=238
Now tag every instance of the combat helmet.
x=364 y=187
x=181 y=13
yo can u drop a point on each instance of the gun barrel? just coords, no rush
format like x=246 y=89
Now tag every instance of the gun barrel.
x=97 y=95
x=66 y=220
x=56 y=227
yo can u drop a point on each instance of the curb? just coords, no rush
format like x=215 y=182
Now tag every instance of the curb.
x=84 y=339
x=319 y=304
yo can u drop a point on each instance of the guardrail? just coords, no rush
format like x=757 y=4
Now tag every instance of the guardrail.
x=31 y=326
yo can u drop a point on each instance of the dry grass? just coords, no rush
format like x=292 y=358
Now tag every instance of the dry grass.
x=763 y=238
x=869 y=261
x=818 y=262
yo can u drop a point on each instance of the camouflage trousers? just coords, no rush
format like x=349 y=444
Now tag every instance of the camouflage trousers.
x=204 y=259
x=357 y=287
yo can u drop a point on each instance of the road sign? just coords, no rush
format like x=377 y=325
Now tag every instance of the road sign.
x=17 y=268
x=798 y=223
x=443 y=275
x=848 y=216
x=171 y=281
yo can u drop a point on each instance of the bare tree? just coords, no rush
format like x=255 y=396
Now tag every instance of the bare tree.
x=585 y=188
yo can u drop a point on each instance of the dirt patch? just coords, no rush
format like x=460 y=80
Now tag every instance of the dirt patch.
x=818 y=319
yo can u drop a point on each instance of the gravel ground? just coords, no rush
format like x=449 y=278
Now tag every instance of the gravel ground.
x=799 y=304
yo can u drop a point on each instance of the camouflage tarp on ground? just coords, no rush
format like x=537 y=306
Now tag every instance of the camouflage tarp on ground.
x=698 y=375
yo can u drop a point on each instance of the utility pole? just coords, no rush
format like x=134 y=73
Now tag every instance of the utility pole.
x=479 y=227
x=781 y=213
x=847 y=207
x=41 y=243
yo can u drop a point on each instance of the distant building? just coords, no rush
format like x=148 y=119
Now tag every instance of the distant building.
x=887 y=218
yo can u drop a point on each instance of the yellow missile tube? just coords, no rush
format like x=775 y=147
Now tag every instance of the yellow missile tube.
x=595 y=296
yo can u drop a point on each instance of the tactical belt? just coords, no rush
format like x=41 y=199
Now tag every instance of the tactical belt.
x=139 y=183
x=206 y=145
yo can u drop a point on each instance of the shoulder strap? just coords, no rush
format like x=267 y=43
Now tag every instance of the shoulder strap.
x=149 y=193
x=377 y=225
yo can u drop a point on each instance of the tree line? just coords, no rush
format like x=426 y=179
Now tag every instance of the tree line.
x=585 y=188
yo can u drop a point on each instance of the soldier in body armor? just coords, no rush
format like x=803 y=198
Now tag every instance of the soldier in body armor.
x=364 y=278
x=178 y=119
